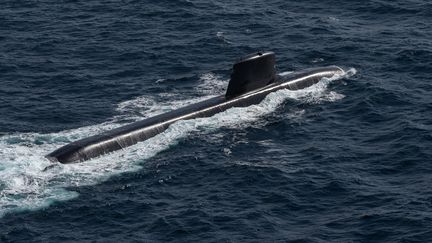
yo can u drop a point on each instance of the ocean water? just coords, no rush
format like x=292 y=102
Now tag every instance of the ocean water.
x=346 y=160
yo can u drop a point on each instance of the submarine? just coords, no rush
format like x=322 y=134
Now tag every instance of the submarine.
x=253 y=77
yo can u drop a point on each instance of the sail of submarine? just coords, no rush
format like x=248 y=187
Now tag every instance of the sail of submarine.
x=253 y=77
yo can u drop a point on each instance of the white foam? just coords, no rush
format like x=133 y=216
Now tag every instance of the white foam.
x=142 y=107
x=146 y=106
x=221 y=36
x=211 y=84
x=26 y=185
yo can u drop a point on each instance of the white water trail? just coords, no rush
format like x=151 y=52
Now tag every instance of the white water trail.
x=26 y=185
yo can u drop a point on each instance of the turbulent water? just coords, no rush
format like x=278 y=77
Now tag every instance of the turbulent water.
x=346 y=160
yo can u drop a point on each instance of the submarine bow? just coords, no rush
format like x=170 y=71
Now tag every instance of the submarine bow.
x=253 y=78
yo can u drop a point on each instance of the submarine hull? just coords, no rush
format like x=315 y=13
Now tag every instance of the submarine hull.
x=131 y=134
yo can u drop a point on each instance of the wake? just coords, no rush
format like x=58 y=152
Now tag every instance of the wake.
x=28 y=181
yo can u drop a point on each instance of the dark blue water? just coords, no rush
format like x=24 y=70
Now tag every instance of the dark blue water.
x=347 y=160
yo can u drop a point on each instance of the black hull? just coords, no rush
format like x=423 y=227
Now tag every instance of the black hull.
x=131 y=134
